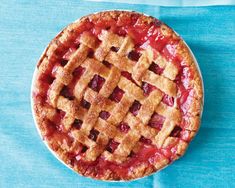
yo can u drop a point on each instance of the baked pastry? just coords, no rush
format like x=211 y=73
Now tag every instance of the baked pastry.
x=117 y=95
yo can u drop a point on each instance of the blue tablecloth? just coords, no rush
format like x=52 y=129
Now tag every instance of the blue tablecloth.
x=26 y=27
x=172 y=2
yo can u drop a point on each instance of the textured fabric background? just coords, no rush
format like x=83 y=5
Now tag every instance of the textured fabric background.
x=26 y=27
x=173 y=2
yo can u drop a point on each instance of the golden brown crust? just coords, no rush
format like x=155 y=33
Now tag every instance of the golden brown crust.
x=44 y=114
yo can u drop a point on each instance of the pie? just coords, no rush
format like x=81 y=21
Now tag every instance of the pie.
x=117 y=95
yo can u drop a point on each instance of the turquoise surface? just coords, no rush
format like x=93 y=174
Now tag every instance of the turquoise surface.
x=26 y=27
x=173 y=2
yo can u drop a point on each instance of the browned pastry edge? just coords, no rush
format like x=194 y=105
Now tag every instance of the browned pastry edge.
x=195 y=109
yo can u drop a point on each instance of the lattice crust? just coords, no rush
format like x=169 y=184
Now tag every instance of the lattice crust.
x=119 y=111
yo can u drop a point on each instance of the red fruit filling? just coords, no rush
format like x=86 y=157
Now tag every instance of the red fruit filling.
x=176 y=131
x=104 y=115
x=44 y=78
x=170 y=150
x=123 y=127
x=147 y=88
x=54 y=70
x=135 y=108
x=156 y=69
x=67 y=93
x=85 y=104
x=168 y=100
x=117 y=94
x=186 y=93
x=69 y=53
x=134 y=56
x=96 y=83
x=112 y=145
x=58 y=117
x=93 y=134
x=145 y=140
x=114 y=49
x=77 y=73
x=148 y=154
x=169 y=52
x=128 y=76
x=90 y=54
x=107 y=64
x=156 y=121
x=77 y=124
